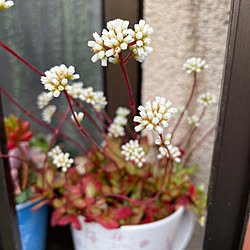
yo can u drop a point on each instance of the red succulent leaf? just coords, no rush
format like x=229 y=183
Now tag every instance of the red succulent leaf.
x=25 y=126
x=63 y=220
x=79 y=203
x=13 y=136
x=123 y=213
x=57 y=213
x=75 y=222
x=27 y=136
x=108 y=222
x=182 y=201
x=110 y=167
x=11 y=145
x=192 y=192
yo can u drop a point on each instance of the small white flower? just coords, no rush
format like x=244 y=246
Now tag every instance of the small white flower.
x=88 y=95
x=79 y=117
x=99 y=49
x=5 y=4
x=174 y=152
x=167 y=140
x=56 y=79
x=133 y=152
x=194 y=64
x=100 y=101
x=120 y=120
x=116 y=130
x=76 y=90
x=48 y=113
x=43 y=100
x=155 y=115
x=55 y=152
x=63 y=161
x=81 y=169
x=140 y=34
x=113 y=41
x=121 y=111
x=206 y=99
x=193 y=120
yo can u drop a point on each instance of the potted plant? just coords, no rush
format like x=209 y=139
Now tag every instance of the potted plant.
x=26 y=153
x=122 y=192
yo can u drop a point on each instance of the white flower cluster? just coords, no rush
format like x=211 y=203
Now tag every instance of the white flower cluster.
x=117 y=37
x=43 y=100
x=79 y=117
x=167 y=140
x=95 y=98
x=140 y=34
x=206 y=99
x=154 y=116
x=5 y=4
x=56 y=79
x=194 y=120
x=60 y=159
x=48 y=113
x=133 y=152
x=174 y=153
x=116 y=129
x=194 y=64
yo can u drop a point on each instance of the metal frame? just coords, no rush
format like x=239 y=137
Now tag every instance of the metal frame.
x=230 y=178
x=9 y=232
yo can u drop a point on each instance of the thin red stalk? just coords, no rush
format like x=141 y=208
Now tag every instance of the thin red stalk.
x=132 y=103
x=21 y=59
x=128 y=57
x=98 y=115
x=77 y=122
x=106 y=117
x=88 y=115
x=199 y=143
x=19 y=158
x=70 y=122
x=194 y=129
x=56 y=132
x=43 y=124
x=132 y=43
x=186 y=106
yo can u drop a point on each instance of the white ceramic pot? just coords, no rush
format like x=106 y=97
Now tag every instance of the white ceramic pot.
x=170 y=233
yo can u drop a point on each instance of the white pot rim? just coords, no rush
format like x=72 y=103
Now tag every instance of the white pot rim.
x=157 y=223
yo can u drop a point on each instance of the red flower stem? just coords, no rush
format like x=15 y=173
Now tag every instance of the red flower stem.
x=98 y=115
x=82 y=130
x=21 y=59
x=38 y=121
x=21 y=159
x=88 y=115
x=106 y=117
x=193 y=130
x=132 y=103
x=132 y=43
x=186 y=106
x=199 y=143
x=56 y=132
x=77 y=122
x=128 y=57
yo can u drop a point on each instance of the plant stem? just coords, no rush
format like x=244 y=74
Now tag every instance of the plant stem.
x=128 y=57
x=40 y=122
x=88 y=115
x=199 y=143
x=132 y=103
x=21 y=59
x=77 y=122
x=25 y=167
x=186 y=106
x=56 y=132
x=106 y=117
x=194 y=129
